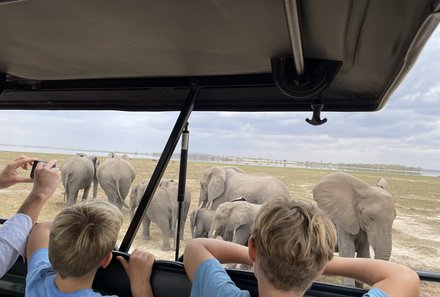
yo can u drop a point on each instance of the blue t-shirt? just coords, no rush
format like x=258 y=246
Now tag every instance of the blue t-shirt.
x=212 y=280
x=40 y=280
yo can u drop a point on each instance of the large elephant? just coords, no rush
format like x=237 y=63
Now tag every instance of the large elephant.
x=235 y=217
x=115 y=175
x=79 y=173
x=363 y=214
x=201 y=220
x=223 y=184
x=173 y=187
x=162 y=211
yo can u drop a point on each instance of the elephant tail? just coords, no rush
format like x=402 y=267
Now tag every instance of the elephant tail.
x=120 y=196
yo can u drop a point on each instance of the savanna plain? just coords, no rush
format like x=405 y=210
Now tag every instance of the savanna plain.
x=416 y=229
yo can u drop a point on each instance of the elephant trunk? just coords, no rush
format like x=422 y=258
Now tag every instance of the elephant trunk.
x=384 y=254
x=382 y=246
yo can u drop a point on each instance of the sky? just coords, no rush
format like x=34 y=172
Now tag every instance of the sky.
x=405 y=132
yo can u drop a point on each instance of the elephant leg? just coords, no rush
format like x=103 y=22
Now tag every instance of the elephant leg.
x=71 y=197
x=346 y=249
x=166 y=230
x=363 y=251
x=182 y=224
x=85 y=193
x=146 y=228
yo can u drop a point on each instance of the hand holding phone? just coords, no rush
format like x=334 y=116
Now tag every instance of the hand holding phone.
x=34 y=165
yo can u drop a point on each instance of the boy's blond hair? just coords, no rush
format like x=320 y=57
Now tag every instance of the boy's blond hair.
x=81 y=236
x=294 y=240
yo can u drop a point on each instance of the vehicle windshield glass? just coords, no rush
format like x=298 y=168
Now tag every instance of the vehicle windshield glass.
x=400 y=143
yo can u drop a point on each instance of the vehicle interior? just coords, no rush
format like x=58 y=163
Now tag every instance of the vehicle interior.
x=311 y=56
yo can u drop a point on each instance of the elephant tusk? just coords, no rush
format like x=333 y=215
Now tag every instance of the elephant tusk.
x=214 y=233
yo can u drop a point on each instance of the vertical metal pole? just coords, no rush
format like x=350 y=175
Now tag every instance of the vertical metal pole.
x=160 y=168
x=182 y=182
x=292 y=14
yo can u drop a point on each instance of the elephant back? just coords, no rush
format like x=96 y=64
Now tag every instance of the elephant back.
x=79 y=168
x=116 y=168
x=255 y=188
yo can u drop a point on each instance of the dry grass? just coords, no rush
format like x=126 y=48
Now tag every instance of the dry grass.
x=416 y=230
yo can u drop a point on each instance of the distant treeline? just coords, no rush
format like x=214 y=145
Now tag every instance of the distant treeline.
x=198 y=157
x=307 y=164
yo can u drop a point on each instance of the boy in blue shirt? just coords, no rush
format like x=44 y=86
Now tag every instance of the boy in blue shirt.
x=291 y=245
x=63 y=256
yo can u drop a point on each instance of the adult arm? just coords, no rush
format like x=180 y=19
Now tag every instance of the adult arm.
x=45 y=183
x=14 y=233
x=392 y=278
x=201 y=249
x=9 y=175
x=13 y=236
x=139 y=269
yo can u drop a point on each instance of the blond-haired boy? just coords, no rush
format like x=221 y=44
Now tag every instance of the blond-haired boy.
x=64 y=255
x=291 y=245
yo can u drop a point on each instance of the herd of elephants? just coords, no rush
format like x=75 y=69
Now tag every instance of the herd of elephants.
x=230 y=197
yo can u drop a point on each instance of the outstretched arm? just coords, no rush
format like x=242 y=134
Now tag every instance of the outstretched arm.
x=139 y=269
x=394 y=279
x=200 y=249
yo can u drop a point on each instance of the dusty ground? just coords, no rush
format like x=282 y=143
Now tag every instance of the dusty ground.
x=416 y=229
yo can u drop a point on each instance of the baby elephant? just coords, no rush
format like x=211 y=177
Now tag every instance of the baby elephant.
x=162 y=211
x=173 y=187
x=201 y=219
x=235 y=217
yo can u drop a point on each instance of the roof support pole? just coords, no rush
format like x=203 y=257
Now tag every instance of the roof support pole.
x=160 y=168
x=182 y=184
x=292 y=15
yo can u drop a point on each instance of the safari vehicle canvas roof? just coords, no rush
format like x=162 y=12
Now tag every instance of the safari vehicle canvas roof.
x=145 y=55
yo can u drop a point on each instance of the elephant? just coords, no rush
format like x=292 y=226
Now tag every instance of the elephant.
x=79 y=173
x=363 y=215
x=201 y=220
x=173 y=187
x=115 y=176
x=162 y=211
x=235 y=217
x=222 y=184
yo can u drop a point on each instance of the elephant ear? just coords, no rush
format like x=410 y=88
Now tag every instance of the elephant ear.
x=125 y=157
x=216 y=183
x=382 y=183
x=240 y=213
x=111 y=155
x=337 y=201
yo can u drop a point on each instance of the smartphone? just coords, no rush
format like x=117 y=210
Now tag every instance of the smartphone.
x=34 y=165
